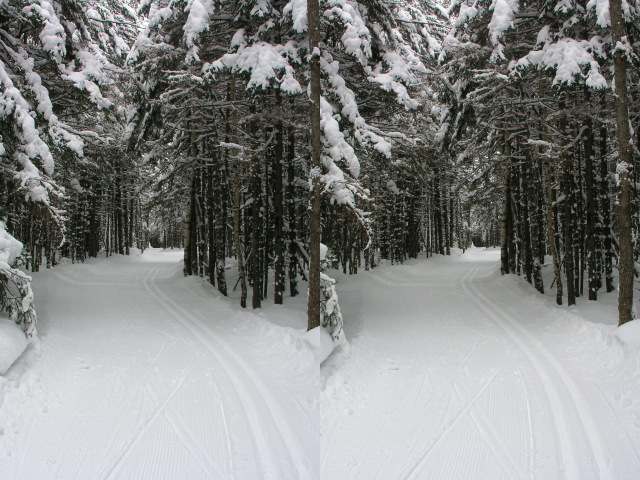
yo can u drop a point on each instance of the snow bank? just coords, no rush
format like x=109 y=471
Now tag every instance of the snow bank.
x=13 y=341
x=321 y=342
x=629 y=332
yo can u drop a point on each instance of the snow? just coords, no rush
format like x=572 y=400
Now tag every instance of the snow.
x=13 y=342
x=567 y=56
x=467 y=13
x=453 y=371
x=10 y=248
x=629 y=333
x=261 y=60
x=197 y=22
x=298 y=11
x=141 y=373
x=504 y=12
x=321 y=342
x=32 y=145
x=602 y=11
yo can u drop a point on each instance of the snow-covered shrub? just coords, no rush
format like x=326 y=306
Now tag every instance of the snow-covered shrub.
x=330 y=316
x=16 y=296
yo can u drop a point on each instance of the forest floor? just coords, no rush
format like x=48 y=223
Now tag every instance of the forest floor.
x=141 y=374
x=454 y=372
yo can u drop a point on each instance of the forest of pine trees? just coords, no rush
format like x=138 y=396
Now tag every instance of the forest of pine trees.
x=246 y=133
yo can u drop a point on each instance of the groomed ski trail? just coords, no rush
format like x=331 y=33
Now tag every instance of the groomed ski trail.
x=144 y=374
x=455 y=372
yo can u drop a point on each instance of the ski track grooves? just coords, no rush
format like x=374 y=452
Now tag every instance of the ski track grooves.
x=523 y=339
x=289 y=439
x=414 y=471
x=114 y=468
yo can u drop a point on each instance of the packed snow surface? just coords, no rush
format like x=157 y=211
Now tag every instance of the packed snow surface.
x=451 y=372
x=454 y=372
x=13 y=341
x=143 y=374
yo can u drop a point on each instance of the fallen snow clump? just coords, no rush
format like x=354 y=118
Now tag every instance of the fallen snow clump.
x=629 y=332
x=322 y=343
x=13 y=341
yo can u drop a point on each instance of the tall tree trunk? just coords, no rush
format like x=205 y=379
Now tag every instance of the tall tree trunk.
x=278 y=221
x=591 y=230
x=526 y=224
x=625 y=167
x=256 y=224
x=568 y=216
x=550 y=231
x=606 y=213
x=504 y=221
x=210 y=202
x=236 y=201
x=535 y=213
x=188 y=224
x=265 y=238
x=313 y=307
x=291 y=214
x=200 y=225
x=517 y=250
x=220 y=226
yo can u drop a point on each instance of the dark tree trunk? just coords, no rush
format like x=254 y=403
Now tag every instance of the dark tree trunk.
x=278 y=221
x=567 y=228
x=504 y=222
x=188 y=224
x=313 y=308
x=220 y=227
x=606 y=213
x=592 y=270
x=550 y=232
x=624 y=169
x=291 y=214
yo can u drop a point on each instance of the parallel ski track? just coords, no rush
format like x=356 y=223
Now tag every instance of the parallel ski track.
x=468 y=408
x=178 y=424
x=415 y=470
x=301 y=408
x=236 y=368
x=538 y=355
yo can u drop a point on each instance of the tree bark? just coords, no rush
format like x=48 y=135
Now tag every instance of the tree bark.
x=236 y=202
x=291 y=214
x=313 y=306
x=504 y=221
x=591 y=231
x=606 y=213
x=187 y=268
x=625 y=166
x=278 y=221
x=568 y=216
x=550 y=235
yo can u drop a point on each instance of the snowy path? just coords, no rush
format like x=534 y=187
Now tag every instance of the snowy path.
x=456 y=373
x=143 y=374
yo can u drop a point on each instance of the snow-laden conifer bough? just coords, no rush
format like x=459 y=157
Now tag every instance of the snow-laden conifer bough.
x=17 y=313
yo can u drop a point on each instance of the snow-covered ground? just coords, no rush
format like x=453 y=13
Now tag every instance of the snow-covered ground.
x=141 y=374
x=454 y=372
x=451 y=372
